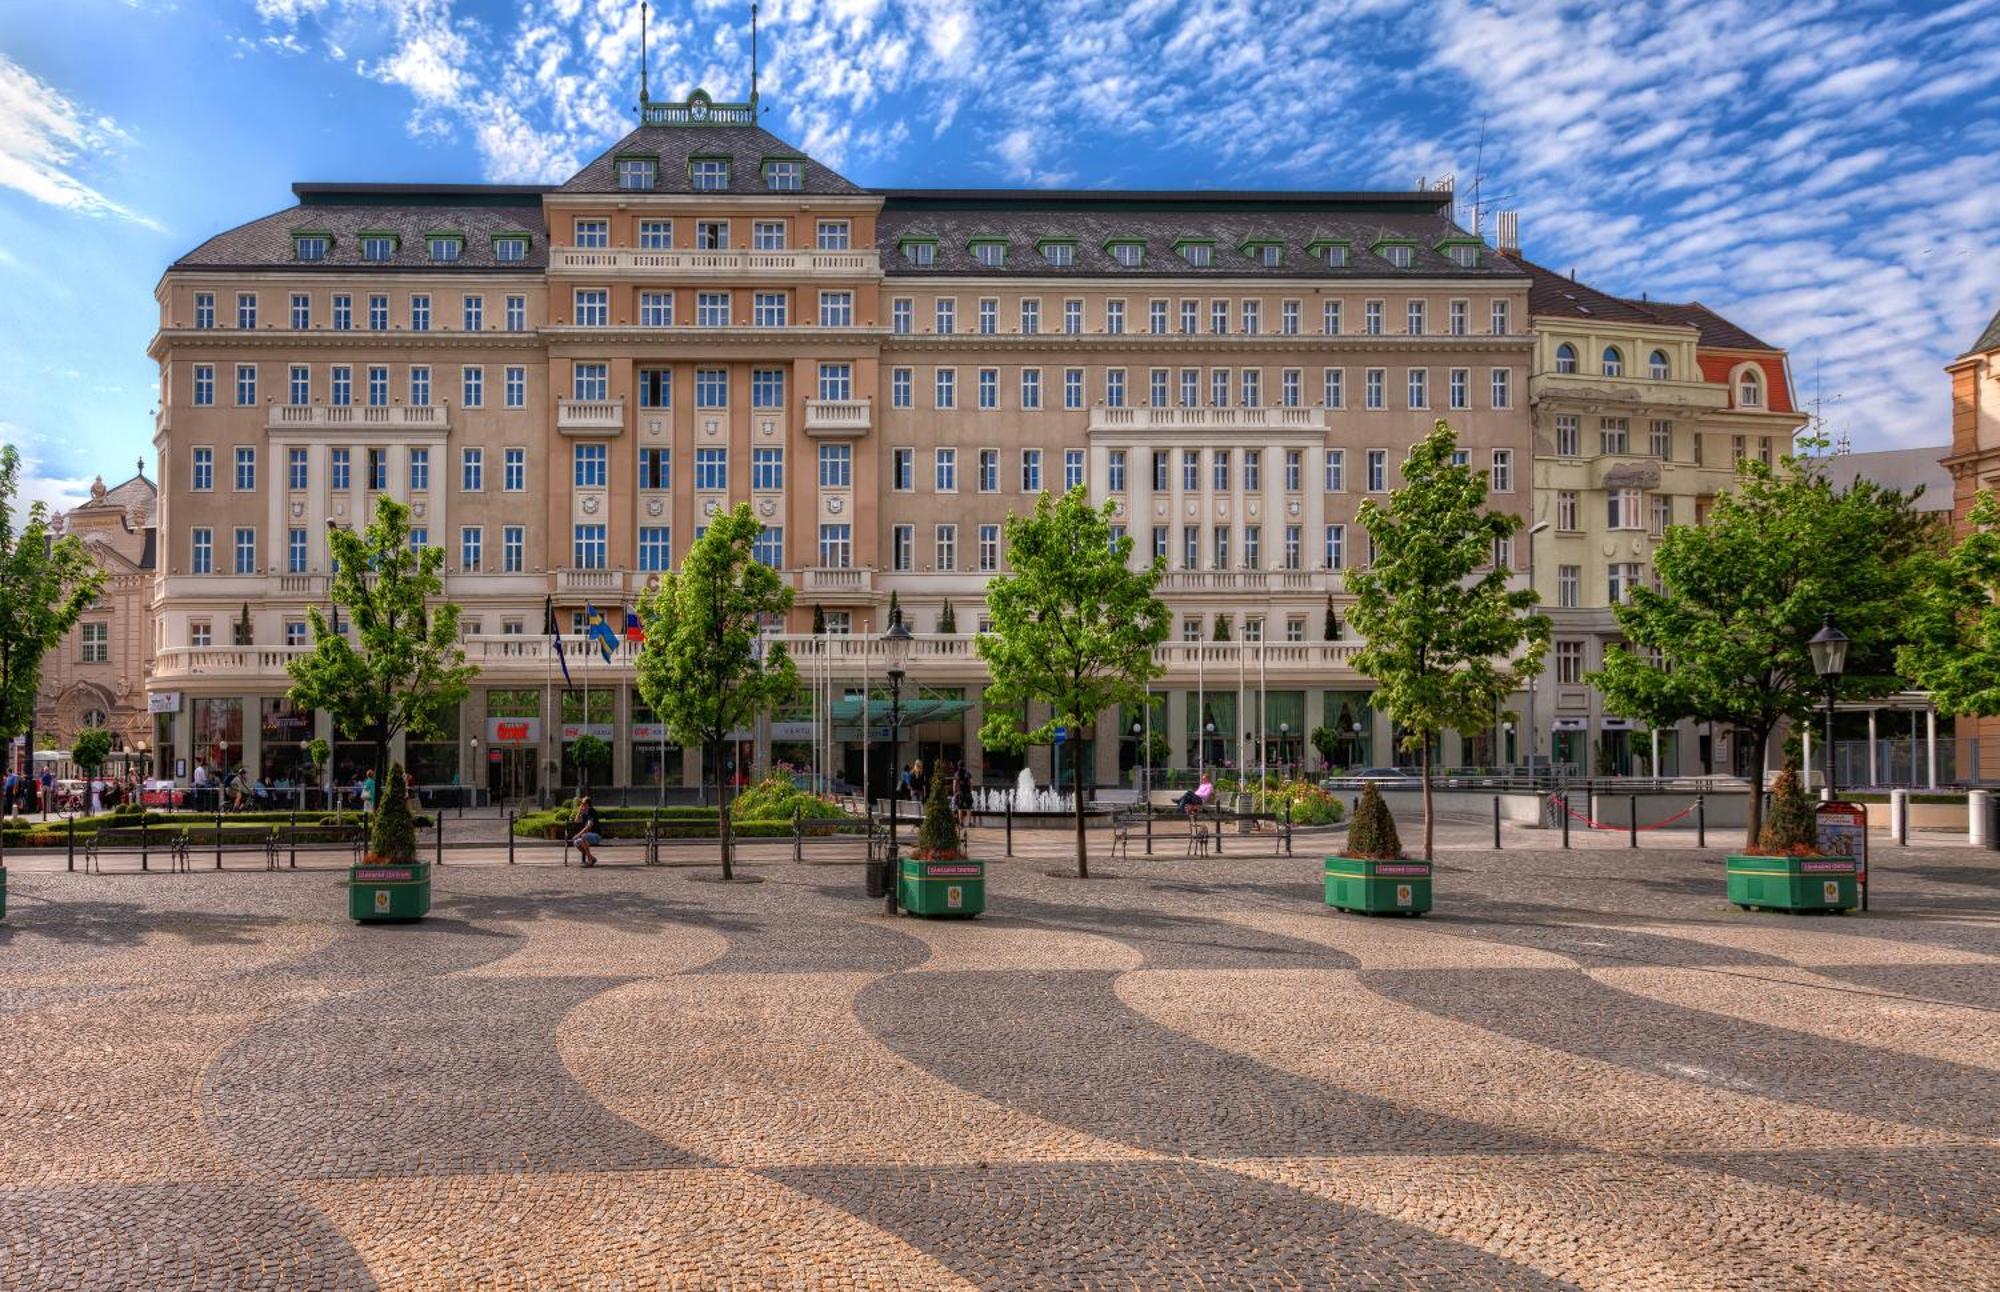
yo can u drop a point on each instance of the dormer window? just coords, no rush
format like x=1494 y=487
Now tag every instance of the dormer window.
x=1657 y=367
x=990 y=255
x=1614 y=361
x=1060 y=254
x=1267 y=254
x=785 y=176
x=446 y=248
x=1129 y=255
x=309 y=247
x=1749 y=390
x=709 y=174
x=1200 y=255
x=637 y=173
x=1566 y=358
x=510 y=249
x=922 y=254
x=1398 y=255
x=377 y=246
x=1463 y=254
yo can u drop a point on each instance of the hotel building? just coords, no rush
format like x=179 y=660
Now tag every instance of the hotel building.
x=563 y=383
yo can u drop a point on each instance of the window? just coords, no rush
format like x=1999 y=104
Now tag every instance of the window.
x=1252 y=388
x=299 y=389
x=711 y=470
x=833 y=235
x=1461 y=387
x=420 y=470
x=1622 y=578
x=1198 y=254
x=711 y=388
x=1503 y=471
x=903 y=470
x=655 y=548
x=709 y=174
x=1420 y=388
x=899 y=388
x=295 y=468
x=295 y=551
x=1252 y=315
x=1114 y=388
x=1031 y=388
x=472 y=386
x=989 y=548
x=510 y=249
x=593 y=307
x=1335 y=555
x=378 y=387
x=1613 y=435
x=783 y=176
x=1415 y=324
x=204 y=309
x=591 y=382
x=589 y=548
x=1460 y=324
x=1749 y=390
x=1190 y=470
x=989 y=388
x=656 y=468
x=339 y=468
x=378 y=313
x=246 y=550
x=1398 y=255
x=1660 y=514
x=944 y=476
x=1764 y=450
x=246 y=384
x=836 y=547
x=836 y=466
x=945 y=388
x=1218 y=318
x=769 y=549
x=201 y=551
x=420 y=386
x=1115 y=470
x=517 y=387
x=301 y=311
x=200 y=633
x=1219 y=555
x=517 y=313
x=1160 y=534
x=1569 y=435
x=593 y=233
x=903 y=547
x=1072 y=388
x=246 y=310
x=989 y=255
x=656 y=235
x=1371 y=318
x=711 y=235
x=921 y=254
x=1253 y=546
x=1657 y=366
x=1190 y=548
x=1614 y=362
x=1031 y=470
x=1622 y=509
x=471 y=542
x=947 y=315
x=945 y=544
x=711 y=309
x=1499 y=318
x=1569 y=586
x=1503 y=388
x=1336 y=471
x=1569 y=663
x=1072 y=468
x=474 y=317
x=1660 y=439
x=1566 y=511
x=1378 y=471
x=989 y=316
x=1253 y=470
x=514 y=473
x=836 y=309
x=445 y=248
x=589 y=466
x=1031 y=317
x=472 y=470
x=1373 y=395
x=1218 y=387
x=378 y=469
x=1129 y=254
x=513 y=548
x=767 y=235
x=899 y=316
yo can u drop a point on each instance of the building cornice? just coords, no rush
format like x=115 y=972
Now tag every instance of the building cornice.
x=1171 y=285
x=1201 y=343
x=206 y=339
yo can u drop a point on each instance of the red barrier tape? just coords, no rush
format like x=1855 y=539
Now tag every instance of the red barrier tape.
x=1599 y=825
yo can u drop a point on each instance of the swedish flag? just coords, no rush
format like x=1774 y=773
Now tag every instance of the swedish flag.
x=598 y=629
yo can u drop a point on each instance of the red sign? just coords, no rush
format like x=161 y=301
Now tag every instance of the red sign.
x=492 y=755
x=1841 y=830
x=511 y=732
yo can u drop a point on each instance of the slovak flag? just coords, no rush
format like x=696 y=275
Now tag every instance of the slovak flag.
x=634 y=631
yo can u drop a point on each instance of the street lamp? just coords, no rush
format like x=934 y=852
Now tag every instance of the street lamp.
x=1829 y=659
x=1208 y=743
x=896 y=650
x=1138 y=738
x=1284 y=745
x=466 y=792
x=1533 y=530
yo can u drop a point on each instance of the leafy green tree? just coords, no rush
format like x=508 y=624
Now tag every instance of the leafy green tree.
x=404 y=666
x=703 y=669
x=90 y=749
x=393 y=834
x=1222 y=628
x=1445 y=642
x=1724 y=640
x=1953 y=649
x=1073 y=628
x=44 y=589
x=588 y=753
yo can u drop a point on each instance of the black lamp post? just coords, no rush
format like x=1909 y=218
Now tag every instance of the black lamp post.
x=1829 y=658
x=1139 y=739
x=1208 y=750
x=896 y=649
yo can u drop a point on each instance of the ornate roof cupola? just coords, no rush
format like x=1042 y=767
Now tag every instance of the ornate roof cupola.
x=700 y=109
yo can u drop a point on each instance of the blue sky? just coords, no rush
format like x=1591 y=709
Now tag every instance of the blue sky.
x=1822 y=171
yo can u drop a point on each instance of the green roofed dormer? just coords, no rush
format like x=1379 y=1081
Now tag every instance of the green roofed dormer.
x=988 y=250
x=1462 y=250
x=1198 y=252
x=1128 y=250
x=1268 y=252
x=1400 y=252
x=1336 y=252
x=919 y=249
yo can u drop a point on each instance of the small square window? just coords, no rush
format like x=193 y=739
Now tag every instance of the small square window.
x=709 y=174
x=445 y=250
x=921 y=254
x=785 y=176
x=310 y=248
x=636 y=172
x=510 y=249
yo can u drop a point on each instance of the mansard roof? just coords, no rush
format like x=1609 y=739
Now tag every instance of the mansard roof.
x=1562 y=296
x=674 y=147
x=1234 y=224
x=478 y=212
x=1989 y=339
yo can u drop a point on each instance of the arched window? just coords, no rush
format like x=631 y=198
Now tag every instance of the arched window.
x=1565 y=357
x=95 y=718
x=1658 y=365
x=1749 y=390
x=1614 y=362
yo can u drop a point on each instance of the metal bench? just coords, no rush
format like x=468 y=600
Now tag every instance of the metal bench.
x=172 y=842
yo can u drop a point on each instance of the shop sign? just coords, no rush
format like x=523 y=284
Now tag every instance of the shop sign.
x=602 y=730
x=792 y=730
x=650 y=733
x=163 y=702
x=513 y=731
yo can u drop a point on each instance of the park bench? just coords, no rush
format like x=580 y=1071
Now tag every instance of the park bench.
x=171 y=840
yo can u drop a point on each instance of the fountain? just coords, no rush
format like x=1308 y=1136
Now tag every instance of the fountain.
x=1026 y=798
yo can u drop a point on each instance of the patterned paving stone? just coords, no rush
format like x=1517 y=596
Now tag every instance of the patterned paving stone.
x=688 y=1229
x=1170 y=939
x=1975 y=985
x=179 y=1234
x=1078 y=1056
x=1954 y=1187
x=438 y=1075
x=1166 y=1225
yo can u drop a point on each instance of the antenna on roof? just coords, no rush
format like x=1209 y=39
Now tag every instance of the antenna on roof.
x=645 y=96
x=753 y=64
x=1478 y=175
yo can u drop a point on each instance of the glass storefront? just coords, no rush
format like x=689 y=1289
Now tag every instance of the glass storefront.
x=1209 y=733
x=218 y=732
x=1353 y=723
x=283 y=732
x=595 y=709
x=1284 y=729
x=434 y=761
x=1135 y=726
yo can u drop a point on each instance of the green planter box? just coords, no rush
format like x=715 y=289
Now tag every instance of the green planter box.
x=1378 y=887
x=1793 y=883
x=384 y=891
x=942 y=888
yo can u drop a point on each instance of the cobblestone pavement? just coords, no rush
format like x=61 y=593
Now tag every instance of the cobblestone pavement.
x=1582 y=1070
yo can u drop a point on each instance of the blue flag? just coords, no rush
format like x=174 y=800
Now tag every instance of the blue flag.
x=598 y=629
x=555 y=635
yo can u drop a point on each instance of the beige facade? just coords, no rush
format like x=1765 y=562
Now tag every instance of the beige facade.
x=96 y=676
x=565 y=383
x=1974 y=464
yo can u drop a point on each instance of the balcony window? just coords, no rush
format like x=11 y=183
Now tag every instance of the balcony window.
x=592 y=234
x=591 y=549
x=834 y=235
x=767 y=235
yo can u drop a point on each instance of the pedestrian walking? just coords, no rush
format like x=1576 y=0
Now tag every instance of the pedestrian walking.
x=368 y=792
x=961 y=797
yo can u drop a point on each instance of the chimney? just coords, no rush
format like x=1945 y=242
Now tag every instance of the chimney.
x=1510 y=232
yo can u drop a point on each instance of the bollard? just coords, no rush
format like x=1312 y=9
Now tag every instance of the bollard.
x=1701 y=821
x=218 y=830
x=1565 y=814
x=798 y=839
x=1899 y=816
x=1632 y=822
x=144 y=861
x=440 y=825
x=72 y=841
x=1149 y=829
x=1496 y=823
x=1010 y=822
x=1979 y=819
x=510 y=836
x=294 y=863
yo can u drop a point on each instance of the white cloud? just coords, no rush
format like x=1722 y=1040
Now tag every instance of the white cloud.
x=45 y=138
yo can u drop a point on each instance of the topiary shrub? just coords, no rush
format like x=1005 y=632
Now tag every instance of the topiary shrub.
x=393 y=837
x=1372 y=835
x=1788 y=829
x=937 y=837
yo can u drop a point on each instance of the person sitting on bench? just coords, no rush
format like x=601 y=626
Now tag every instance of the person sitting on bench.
x=1197 y=798
x=589 y=832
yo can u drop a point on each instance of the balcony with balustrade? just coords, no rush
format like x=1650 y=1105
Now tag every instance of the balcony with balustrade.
x=1173 y=421
x=803 y=262
x=838 y=417
x=590 y=416
x=348 y=418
